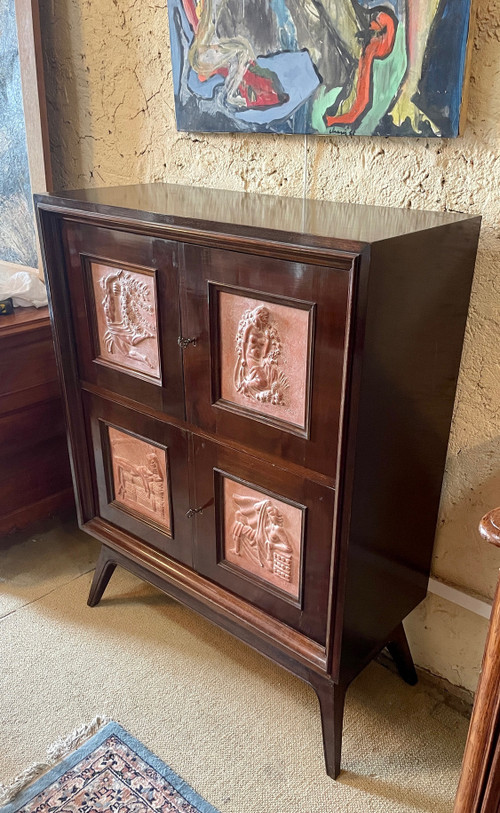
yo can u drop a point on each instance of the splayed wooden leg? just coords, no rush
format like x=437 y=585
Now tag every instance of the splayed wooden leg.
x=400 y=651
x=104 y=570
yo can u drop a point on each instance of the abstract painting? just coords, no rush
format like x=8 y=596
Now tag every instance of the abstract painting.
x=363 y=67
x=17 y=229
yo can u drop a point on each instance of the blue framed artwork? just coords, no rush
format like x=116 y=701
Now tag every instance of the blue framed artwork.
x=17 y=228
x=363 y=67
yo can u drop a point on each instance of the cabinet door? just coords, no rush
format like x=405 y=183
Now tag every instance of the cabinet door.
x=268 y=366
x=264 y=534
x=124 y=298
x=141 y=476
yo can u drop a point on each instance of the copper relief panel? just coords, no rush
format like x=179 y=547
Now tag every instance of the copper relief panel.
x=264 y=349
x=263 y=536
x=140 y=477
x=125 y=305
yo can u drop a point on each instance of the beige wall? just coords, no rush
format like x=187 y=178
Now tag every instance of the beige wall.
x=112 y=121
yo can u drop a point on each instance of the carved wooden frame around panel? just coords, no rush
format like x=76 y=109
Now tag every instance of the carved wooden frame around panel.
x=107 y=461
x=214 y=291
x=87 y=260
x=283 y=595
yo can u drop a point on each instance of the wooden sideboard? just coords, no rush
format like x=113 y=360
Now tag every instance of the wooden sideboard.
x=259 y=393
x=35 y=478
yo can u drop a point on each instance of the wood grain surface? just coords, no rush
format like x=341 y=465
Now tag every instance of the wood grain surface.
x=385 y=293
x=479 y=786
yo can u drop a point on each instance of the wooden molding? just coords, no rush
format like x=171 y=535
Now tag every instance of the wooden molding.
x=220 y=600
x=311 y=255
x=467 y=67
x=34 y=101
x=479 y=786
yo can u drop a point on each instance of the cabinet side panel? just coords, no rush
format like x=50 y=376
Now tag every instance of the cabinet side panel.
x=418 y=296
x=49 y=226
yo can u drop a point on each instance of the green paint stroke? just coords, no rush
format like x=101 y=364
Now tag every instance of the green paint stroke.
x=322 y=103
x=388 y=74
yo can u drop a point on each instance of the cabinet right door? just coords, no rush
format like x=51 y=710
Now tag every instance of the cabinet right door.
x=268 y=366
x=265 y=534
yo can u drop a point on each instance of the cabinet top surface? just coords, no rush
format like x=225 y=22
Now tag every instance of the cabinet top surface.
x=221 y=210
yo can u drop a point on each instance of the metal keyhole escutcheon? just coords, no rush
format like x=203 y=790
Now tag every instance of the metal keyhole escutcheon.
x=183 y=343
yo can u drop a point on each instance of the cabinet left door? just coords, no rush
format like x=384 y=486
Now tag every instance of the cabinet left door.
x=124 y=298
x=140 y=473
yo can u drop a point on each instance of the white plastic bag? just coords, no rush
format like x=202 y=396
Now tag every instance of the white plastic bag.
x=25 y=288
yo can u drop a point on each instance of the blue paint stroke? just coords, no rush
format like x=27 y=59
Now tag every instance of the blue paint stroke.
x=176 y=14
x=444 y=66
x=288 y=32
x=299 y=80
x=206 y=89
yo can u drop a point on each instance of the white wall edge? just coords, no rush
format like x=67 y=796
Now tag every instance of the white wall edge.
x=474 y=605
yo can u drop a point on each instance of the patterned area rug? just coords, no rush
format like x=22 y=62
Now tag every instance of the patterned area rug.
x=111 y=771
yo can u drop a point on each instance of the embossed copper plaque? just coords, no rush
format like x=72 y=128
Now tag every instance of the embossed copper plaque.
x=140 y=477
x=263 y=535
x=264 y=356
x=125 y=306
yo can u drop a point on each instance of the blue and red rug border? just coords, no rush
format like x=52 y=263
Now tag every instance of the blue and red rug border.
x=84 y=750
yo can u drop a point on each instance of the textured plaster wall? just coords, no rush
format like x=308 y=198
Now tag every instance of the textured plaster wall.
x=111 y=110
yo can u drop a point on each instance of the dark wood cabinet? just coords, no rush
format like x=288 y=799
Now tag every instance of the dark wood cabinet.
x=258 y=396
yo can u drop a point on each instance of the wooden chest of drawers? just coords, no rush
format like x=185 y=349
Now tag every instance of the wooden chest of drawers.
x=258 y=394
x=35 y=479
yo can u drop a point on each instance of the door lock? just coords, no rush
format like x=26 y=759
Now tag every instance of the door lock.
x=192 y=511
x=182 y=342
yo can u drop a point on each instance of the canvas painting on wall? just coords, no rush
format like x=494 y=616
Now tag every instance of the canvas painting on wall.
x=364 y=67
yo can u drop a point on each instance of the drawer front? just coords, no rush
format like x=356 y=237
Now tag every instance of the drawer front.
x=264 y=534
x=124 y=299
x=141 y=476
x=268 y=366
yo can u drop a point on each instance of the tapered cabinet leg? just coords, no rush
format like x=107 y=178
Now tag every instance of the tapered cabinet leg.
x=103 y=571
x=400 y=651
x=331 y=698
